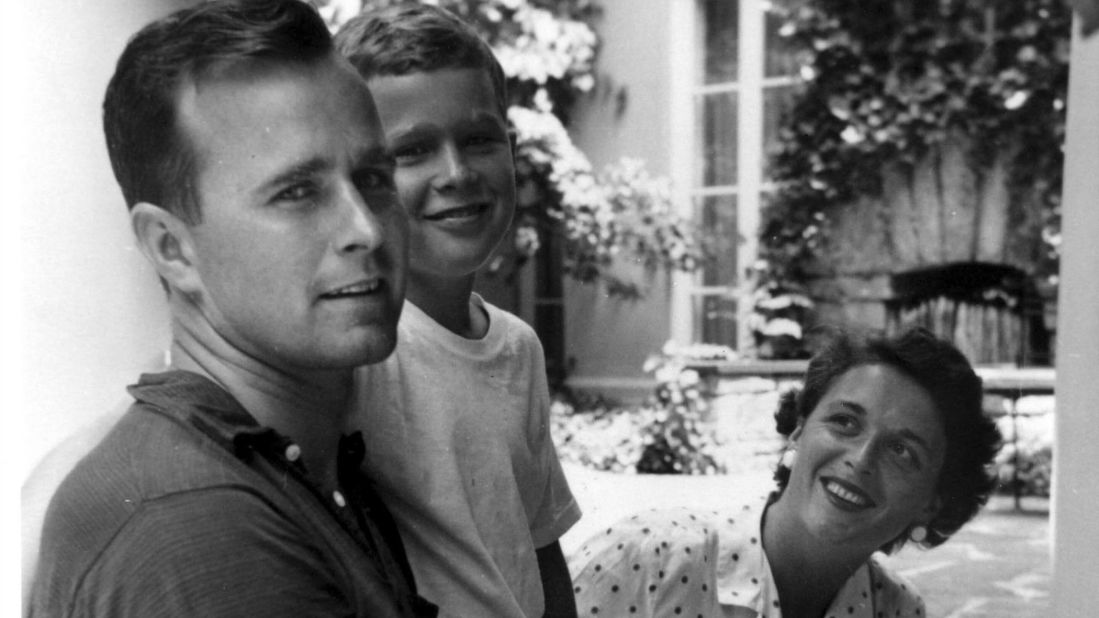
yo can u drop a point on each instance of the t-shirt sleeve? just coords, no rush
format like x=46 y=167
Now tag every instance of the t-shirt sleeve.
x=557 y=508
x=214 y=552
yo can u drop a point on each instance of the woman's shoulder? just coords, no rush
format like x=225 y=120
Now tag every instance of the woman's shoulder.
x=892 y=592
x=653 y=563
x=652 y=532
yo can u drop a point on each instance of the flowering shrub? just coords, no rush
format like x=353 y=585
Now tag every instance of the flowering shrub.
x=676 y=442
x=603 y=438
x=1026 y=463
x=885 y=83
x=666 y=435
x=547 y=50
x=779 y=309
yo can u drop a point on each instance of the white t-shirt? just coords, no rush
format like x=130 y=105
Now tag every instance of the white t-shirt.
x=457 y=441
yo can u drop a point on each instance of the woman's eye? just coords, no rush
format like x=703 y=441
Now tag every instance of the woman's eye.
x=845 y=421
x=903 y=452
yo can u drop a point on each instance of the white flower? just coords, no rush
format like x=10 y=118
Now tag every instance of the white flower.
x=852 y=135
x=688 y=378
x=782 y=326
x=668 y=373
x=542 y=101
x=1016 y=100
x=527 y=241
x=583 y=83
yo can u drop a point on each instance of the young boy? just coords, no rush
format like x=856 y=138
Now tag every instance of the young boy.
x=459 y=442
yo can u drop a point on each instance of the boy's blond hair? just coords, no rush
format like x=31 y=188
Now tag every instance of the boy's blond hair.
x=414 y=38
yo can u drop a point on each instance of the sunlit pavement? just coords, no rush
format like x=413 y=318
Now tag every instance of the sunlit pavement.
x=997 y=565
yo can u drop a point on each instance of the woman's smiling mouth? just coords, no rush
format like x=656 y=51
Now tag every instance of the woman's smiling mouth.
x=845 y=495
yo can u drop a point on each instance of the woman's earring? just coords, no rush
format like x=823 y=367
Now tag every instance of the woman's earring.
x=789 y=457
x=917 y=534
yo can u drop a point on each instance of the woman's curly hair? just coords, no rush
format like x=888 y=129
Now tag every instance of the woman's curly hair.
x=972 y=438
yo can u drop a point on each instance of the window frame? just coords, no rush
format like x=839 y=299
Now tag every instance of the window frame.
x=687 y=91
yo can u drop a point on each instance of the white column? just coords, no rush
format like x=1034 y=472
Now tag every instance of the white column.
x=682 y=67
x=1075 y=586
x=752 y=53
x=93 y=314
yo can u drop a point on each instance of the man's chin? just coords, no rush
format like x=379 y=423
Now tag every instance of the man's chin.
x=373 y=348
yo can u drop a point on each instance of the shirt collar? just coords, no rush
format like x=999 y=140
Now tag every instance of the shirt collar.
x=744 y=574
x=198 y=401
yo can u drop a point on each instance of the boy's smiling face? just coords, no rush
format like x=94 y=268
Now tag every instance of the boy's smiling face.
x=455 y=173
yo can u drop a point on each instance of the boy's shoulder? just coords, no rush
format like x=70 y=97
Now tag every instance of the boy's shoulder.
x=505 y=319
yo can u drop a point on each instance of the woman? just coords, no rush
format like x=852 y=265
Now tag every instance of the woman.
x=887 y=443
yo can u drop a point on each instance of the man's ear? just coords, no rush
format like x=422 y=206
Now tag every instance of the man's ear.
x=167 y=243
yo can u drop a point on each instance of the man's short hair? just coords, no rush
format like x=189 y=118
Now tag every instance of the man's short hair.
x=150 y=154
x=417 y=38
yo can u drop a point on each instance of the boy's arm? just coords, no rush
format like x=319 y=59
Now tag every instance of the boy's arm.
x=556 y=583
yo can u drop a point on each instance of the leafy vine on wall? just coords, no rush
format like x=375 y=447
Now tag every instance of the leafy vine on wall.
x=884 y=83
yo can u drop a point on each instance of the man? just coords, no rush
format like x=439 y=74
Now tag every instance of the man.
x=254 y=167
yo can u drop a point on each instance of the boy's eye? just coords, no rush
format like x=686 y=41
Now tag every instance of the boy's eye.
x=373 y=180
x=410 y=151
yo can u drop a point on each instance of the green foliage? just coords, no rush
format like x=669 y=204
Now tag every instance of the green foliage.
x=778 y=312
x=666 y=435
x=1034 y=476
x=547 y=49
x=676 y=442
x=885 y=82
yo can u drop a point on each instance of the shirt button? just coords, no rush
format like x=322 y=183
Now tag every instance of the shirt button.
x=293 y=452
x=338 y=497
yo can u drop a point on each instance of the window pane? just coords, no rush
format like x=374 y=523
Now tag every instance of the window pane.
x=781 y=58
x=721 y=40
x=717 y=217
x=715 y=319
x=719 y=137
x=776 y=102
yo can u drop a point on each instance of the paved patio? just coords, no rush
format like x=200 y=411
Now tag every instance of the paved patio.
x=998 y=565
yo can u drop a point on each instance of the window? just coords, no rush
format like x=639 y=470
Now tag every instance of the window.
x=743 y=73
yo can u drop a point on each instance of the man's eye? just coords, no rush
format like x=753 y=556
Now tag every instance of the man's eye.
x=296 y=193
x=481 y=140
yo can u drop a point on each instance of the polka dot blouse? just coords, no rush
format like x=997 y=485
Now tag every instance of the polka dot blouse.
x=678 y=562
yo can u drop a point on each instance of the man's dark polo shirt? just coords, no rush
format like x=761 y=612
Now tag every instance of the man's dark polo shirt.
x=190 y=508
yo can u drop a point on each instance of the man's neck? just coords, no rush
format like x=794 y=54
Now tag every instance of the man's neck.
x=306 y=407
x=447 y=301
